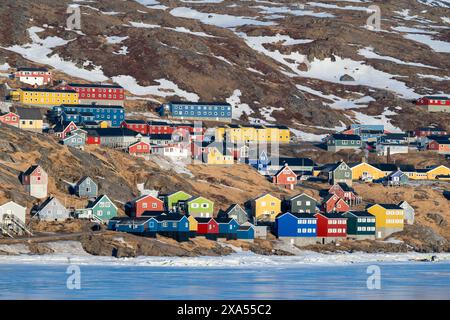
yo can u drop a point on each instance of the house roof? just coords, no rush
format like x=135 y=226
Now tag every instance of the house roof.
x=437 y=97
x=245 y=228
x=295 y=162
x=385 y=166
x=231 y=208
x=201 y=103
x=431 y=129
x=153 y=213
x=395 y=135
x=204 y=220
x=29 y=113
x=90 y=85
x=331 y=215
x=83 y=179
x=297 y=215
x=223 y=219
x=46 y=202
x=388 y=206
x=32 y=69
x=128 y=220
x=339 y=136
x=97 y=200
x=345 y=187
x=93 y=105
x=47 y=90
x=328 y=197
x=135 y=121
x=160 y=136
x=30 y=170
x=360 y=213
x=143 y=197
x=285 y=167
x=301 y=194
x=61 y=126
x=113 y=132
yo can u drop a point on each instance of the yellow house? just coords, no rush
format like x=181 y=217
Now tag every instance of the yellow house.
x=193 y=224
x=266 y=207
x=104 y=124
x=366 y=172
x=436 y=171
x=253 y=133
x=45 y=97
x=389 y=218
x=30 y=119
x=216 y=157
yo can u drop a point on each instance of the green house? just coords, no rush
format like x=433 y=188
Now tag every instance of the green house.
x=340 y=173
x=103 y=208
x=199 y=207
x=360 y=224
x=337 y=142
x=171 y=200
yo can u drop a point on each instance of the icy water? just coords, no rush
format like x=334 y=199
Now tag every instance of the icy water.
x=414 y=280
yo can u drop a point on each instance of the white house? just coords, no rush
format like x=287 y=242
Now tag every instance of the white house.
x=12 y=209
x=173 y=151
x=409 y=212
x=382 y=149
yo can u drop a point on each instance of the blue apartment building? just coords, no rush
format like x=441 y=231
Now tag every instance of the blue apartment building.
x=210 y=111
x=113 y=115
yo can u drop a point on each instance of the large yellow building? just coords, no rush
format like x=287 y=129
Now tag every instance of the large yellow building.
x=389 y=218
x=366 y=172
x=253 y=133
x=214 y=156
x=44 y=97
x=266 y=207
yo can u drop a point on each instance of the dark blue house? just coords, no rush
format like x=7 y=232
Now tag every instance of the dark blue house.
x=144 y=226
x=173 y=225
x=216 y=111
x=295 y=225
x=80 y=113
x=227 y=227
x=245 y=233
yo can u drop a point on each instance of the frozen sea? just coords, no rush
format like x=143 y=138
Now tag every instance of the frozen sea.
x=333 y=277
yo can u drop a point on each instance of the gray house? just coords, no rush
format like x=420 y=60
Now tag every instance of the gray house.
x=340 y=173
x=50 y=210
x=76 y=140
x=302 y=203
x=86 y=188
x=236 y=212
x=409 y=212
x=396 y=178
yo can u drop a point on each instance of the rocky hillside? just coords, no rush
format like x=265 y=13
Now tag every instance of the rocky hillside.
x=274 y=61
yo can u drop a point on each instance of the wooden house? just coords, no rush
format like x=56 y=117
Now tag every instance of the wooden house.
x=173 y=225
x=360 y=224
x=171 y=200
x=75 y=140
x=331 y=225
x=33 y=76
x=62 y=129
x=292 y=225
x=441 y=146
x=35 y=180
x=139 y=148
x=409 y=212
x=266 y=208
x=10 y=118
x=86 y=188
x=227 y=228
x=102 y=208
x=198 y=207
x=285 y=177
x=246 y=233
x=339 y=173
x=140 y=126
x=207 y=227
x=389 y=218
x=143 y=226
x=143 y=203
x=342 y=190
x=301 y=203
x=13 y=217
x=236 y=212
x=333 y=203
x=50 y=210
x=30 y=119
x=337 y=142
x=397 y=178
x=364 y=171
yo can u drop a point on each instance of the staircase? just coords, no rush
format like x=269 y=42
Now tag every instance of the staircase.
x=17 y=224
x=5 y=231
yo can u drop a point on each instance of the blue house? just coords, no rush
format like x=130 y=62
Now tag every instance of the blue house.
x=144 y=226
x=368 y=132
x=76 y=140
x=216 y=111
x=86 y=188
x=246 y=233
x=173 y=225
x=227 y=228
x=295 y=225
x=80 y=113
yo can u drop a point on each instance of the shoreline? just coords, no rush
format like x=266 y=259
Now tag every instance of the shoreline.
x=234 y=260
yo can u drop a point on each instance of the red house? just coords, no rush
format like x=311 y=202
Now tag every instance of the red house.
x=342 y=190
x=62 y=129
x=440 y=146
x=160 y=127
x=140 y=126
x=34 y=76
x=429 y=131
x=207 y=226
x=92 y=137
x=285 y=177
x=139 y=205
x=433 y=101
x=102 y=93
x=333 y=203
x=10 y=118
x=331 y=225
x=139 y=148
